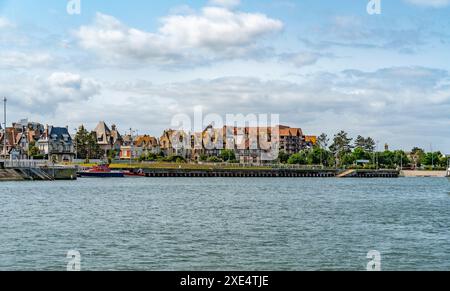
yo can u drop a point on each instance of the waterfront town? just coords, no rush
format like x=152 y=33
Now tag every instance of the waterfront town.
x=26 y=140
x=33 y=140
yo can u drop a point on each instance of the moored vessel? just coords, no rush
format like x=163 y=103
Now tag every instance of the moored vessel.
x=134 y=173
x=101 y=171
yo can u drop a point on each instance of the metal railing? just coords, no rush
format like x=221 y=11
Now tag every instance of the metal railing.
x=26 y=163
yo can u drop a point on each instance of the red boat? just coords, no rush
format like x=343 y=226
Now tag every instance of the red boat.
x=101 y=171
x=134 y=173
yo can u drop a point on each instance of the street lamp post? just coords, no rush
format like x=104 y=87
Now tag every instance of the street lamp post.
x=432 y=156
x=378 y=165
x=4 y=128
x=131 y=146
x=401 y=162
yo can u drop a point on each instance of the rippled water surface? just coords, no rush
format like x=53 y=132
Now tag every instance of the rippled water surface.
x=226 y=224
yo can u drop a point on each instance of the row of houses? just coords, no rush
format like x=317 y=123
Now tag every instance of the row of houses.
x=55 y=143
x=250 y=144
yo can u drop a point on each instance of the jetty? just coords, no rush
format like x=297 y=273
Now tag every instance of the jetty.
x=261 y=172
x=29 y=170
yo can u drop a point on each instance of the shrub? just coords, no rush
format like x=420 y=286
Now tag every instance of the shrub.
x=227 y=155
x=174 y=159
x=214 y=160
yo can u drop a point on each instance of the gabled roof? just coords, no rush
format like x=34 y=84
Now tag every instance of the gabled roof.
x=105 y=135
x=102 y=132
x=145 y=140
x=291 y=132
x=59 y=133
x=13 y=136
x=115 y=134
x=102 y=128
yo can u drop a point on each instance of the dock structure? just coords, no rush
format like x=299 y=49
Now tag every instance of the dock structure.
x=26 y=170
x=271 y=173
x=368 y=174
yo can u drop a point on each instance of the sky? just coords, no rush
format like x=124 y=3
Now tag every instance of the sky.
x=322 y=65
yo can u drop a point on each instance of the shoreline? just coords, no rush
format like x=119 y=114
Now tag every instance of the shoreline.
x=423 y=174
x=11 y=175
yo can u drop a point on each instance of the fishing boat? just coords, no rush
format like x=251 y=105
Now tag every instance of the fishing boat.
x=101 y=171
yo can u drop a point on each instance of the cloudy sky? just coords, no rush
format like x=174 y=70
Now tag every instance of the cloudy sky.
x=322 y=65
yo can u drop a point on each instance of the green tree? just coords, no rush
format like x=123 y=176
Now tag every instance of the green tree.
x=401 y=159
x=298 y=159
x=386 y=159
x=318 y=156
x=112 y=154
x=367 y=144
x=348 y=159
x=323 y=140
x=443 y=161
x=417 y=155
x=431 y=159
x=341 y=145
x=33 y=150
x=360 y=153
x=86 y=145
x=283 y=157
x=393 y=159
x=174 y=159
x=360 y=142
x=228 y=155
x=203 y=158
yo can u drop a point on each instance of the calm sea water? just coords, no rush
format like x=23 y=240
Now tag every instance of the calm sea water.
x=226 y=224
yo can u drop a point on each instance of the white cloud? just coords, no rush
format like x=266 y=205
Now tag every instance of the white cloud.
x=225 y=3
x=12 y=60
x=390 y=103
x=44 y=94
x=63 y=86
x=209 y=34
x=430 y=3
x=403 y=106
x=217 y=27
x=301 y=59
